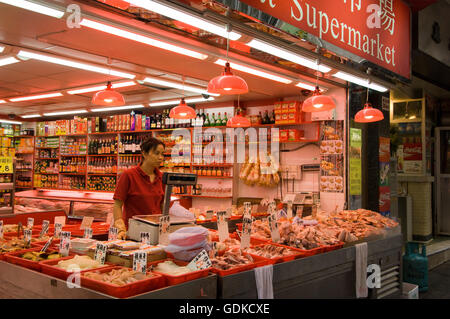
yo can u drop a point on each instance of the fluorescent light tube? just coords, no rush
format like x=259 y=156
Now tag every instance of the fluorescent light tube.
x=306 y=86
x=177 y=101
x=101 y=87
x=360 y=81
x=253 y=71
x=284 y=54
x=73 y=64
x=185 y=17
x=2 y=101
x=10 y=122
x=176 y=85
x=2 y=48
x=117 y=108
x=142 y=39
x=30 y=116
x=36 y=7
x=65 y=112
x=6 y=61
x=35 y=97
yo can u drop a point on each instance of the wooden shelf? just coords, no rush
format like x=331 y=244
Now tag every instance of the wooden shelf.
x=46 y=173
x=46 y=159
x=73 y=174
x=100 y=174
x=110 y=155
x=73 y=155
x=137 y=154
x=24 y=169
x=104 y=133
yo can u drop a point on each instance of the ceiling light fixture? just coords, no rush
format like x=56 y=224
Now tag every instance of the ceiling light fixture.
x=35 y=7
x=2 y=48
x=307 y=86
x=175 y=102
x=185 y=17
x=182 y=111
x=176 y=85
x=9 y=60
x=2 y=101
x=74 y=64
x=360 y=81
x=30 y=116
x=256 y=72
x=101 y=87
x=65 y=112
x=108 y=97
x=368 y=114
x=287 y=55
x=10 y=122
x=140 y=38
x=118 y=108
x=35 y=97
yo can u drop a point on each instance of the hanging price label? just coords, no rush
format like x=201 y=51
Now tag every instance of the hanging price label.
x=100 y=253
x=64 y=244
x=222 y=226
x=273 y=225
x=47 y=244
x=27 y=237
x=145 y=238
x=201 y=261
x=164 y=223
x=44 y=230
x=86 y=222
x=289 y=210
x=140 y=262
x=113 y=232
x=58 y=228
x=87 y=233
x=246 y=231
x=1 y=229
x=30 y=223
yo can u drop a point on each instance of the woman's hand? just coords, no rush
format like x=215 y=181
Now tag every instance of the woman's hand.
x=120 y=225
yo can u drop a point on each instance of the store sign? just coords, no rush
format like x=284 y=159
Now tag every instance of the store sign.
x=201 y=261
x=6 y=165
x=87 y=233
x=44 y=230
x=384 y=189
x=222 y=226
x=376 y=30
x=58 y=228
x=355 y=161
x=64 y=244
x=164 y=224
x=113 y=233
x=145 y=238
x=100 y=253
x=140 y=262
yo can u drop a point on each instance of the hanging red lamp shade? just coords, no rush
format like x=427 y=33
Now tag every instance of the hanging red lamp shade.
x=108 y=97
x=182 y=111
x=238 y=121
x=318 y=103
x=369 y=114
x=227 y=83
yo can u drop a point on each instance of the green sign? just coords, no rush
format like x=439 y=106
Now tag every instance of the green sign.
x=355 y=162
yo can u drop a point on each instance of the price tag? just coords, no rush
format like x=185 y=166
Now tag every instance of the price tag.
x=86 y=222
x=30 y=223
x=87 y=233
x=100 y=253
x=201 y=261
x=110 y=219
x=213 y=251
x=44 y=230
x=164 y=223
x=247 y=208
x=60 y=220
x=209 y=214
x=58 y=228
x=47 y=244
x=222 y=226
x=273 y=225
x=1 y=229
x=140 y=262
x=246 y=231
x=64 y=244
x=229 y=212
x=7 y=165
x=289 y=210
x=145 y=238
x=113 y=232
x=27 y=236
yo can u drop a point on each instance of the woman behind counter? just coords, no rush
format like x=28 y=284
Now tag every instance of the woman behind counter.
x=140 y=189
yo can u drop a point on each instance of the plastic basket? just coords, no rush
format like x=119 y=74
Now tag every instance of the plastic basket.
x=138 y=287
x=257 y=262
x=332 y=247
x=14 y=258
x=49 y=267
x=32 y=245
x=175 y=280
x=294 y=254
x=308 y=252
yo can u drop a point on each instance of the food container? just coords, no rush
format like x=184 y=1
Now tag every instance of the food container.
x=333 y=247
x=171 y=280
x=138 y=287
x=308 y=252
x=295 y=254
x=14 y=258
x=32 y=245
x=257 y=262
x=49 y=267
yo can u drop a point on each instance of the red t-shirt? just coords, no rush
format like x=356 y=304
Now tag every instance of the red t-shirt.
x=139 y=195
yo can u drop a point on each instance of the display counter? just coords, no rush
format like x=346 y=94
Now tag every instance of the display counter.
x=328 y=275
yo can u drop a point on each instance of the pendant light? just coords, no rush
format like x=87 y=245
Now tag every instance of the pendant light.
x=182 y=111
x=368 y=114
x=228 y=83
x=108 y=97
x=238 y=120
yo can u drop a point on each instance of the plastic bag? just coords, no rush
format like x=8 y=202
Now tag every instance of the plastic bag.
x=188 y=236
x=179 y=211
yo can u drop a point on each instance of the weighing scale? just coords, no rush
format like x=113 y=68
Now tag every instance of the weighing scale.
x=150 y=223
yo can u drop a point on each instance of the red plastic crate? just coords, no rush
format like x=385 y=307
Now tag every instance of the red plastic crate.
x=138 y=287
x=258 y=262
x=32 y=245
x=175 y=280
x=14 y=258
x=295 y=254
x=333 y=247
x=49 y=267
x=310 y=252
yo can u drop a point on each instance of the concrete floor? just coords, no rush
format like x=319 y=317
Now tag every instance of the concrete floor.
x=438 y=283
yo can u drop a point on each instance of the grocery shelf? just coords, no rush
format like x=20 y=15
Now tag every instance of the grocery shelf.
x=47 y=148
x=6 y=186
x=136 y=154
x=65 y=155
x=110 y=155
x=46 y=158
x=24 y=153
x=46 y=173
x=23 y=169
x=100 y=174
x=24 y=136
x=73 y=174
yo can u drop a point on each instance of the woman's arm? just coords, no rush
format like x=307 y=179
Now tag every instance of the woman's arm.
x=118 y=219
x=118 y=204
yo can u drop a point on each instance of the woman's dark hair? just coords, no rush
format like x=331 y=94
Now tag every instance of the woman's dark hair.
x=150 y=144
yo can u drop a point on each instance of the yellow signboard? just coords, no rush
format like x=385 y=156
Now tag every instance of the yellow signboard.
x=6 y=165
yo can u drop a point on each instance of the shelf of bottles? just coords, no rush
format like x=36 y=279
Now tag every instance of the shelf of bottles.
x=24 y=146
x=177 y=153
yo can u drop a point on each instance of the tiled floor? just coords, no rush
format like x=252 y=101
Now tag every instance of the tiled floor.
x=438 y=283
